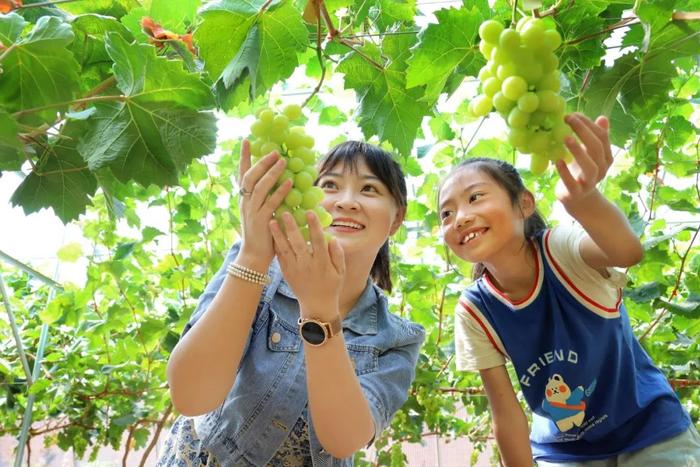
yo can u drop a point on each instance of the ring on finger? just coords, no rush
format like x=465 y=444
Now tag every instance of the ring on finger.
x=244 y=192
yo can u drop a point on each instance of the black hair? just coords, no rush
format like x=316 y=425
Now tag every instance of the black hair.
x=505 y=175
x=388 y=171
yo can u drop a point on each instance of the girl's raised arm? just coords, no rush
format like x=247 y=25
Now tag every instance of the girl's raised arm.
x=610 y=241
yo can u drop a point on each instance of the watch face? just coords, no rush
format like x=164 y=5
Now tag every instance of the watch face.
x=313 y=333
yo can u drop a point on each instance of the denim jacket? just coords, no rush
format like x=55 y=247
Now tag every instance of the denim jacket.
x=269 y=393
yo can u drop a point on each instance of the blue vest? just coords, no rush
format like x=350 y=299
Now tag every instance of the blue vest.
x=593 y=390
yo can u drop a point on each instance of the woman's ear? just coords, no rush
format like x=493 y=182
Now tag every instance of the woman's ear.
x=527 y=204
x=398 y=220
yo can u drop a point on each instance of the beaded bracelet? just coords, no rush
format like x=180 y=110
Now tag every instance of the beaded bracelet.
x=248 y=274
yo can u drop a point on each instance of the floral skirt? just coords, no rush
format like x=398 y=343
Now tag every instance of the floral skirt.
x=182 y=448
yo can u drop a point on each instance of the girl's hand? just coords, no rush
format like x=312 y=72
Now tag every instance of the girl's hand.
x=592 y=159
x=316 y=272
x=256 y=206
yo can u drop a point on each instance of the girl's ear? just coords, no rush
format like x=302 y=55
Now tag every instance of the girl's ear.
x=398 y=220
x=527 y=204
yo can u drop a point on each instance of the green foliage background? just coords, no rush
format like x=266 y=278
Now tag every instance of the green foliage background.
x=111 y=129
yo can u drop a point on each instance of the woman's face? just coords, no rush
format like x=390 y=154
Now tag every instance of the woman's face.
x=477 y=216
x=364 y=212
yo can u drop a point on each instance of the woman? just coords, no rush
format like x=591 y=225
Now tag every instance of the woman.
x=297 y=360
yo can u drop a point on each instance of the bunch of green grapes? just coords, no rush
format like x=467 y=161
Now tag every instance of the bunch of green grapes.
x=521 y=81
x=273 y=131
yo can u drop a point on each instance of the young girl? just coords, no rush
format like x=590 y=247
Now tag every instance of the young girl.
x=297 y=361
x=549 y=301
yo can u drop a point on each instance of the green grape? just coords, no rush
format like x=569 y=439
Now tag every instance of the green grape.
x=533 y=34
x=502 y=103
x=484 y=73
x=499 y=55
x=491 y=86
x=509 y=40
x=294 y=198
x=528 y=102
x=258 y=129
x=295 y=164
x=309 y=141
x=279 y=136
x=518 y=137
x=548 y=100
x=305 y=233
x=521 y=23
x=480 y=105
x=299 y=217
x=281 y=210
x=269 y=147
x=552 y=40
x=486 y=48
x=286 y=175
x=266 y=116
x=513 y=87
x=323 y=216
x=539 y=119
x=255 y=148
x=549 y=62
x=538 y=163
x=294 y=140
x=532 y=72
x=311 y=170
x=280 y=123
x=539 y=142
x=292 y=111
x=560 y=132
x=303 y=181
x=490 y=31
x=517 y=118
x=549 y=82
x=506 y=70
x=312 y=197
x=305 y=154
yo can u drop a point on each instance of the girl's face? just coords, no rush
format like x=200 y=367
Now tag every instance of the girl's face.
x=364 y=212
x=477 y=216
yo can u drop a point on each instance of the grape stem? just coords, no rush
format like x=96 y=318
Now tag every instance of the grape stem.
x=553 y=9
x=37 y=5
x=319 y=55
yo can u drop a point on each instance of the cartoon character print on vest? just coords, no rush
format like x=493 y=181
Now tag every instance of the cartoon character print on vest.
x=565 y=407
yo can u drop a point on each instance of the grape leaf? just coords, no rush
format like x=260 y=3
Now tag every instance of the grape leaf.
x=157 y=128
x=61 y=180
x=38 y=70
x=175 y=15
x=115 y=8
x=386 y=107
x=642 y=81
x=10 y=147
x=11 y=26
x=228 y=43
x=89 y=47
x=442 y=48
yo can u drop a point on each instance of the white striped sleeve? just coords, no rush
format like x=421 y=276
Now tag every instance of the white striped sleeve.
x=477 y=346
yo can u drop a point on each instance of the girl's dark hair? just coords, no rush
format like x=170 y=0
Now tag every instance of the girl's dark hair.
x=509 y=179
x=389 y=172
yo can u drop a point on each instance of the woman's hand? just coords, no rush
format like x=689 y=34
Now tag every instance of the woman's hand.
x=592 y=159
x=316 y=272
x=256 y=206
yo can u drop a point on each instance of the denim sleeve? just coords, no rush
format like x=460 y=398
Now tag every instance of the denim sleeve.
x=387 y=388
x=212 y=288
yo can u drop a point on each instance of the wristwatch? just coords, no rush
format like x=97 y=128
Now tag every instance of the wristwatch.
x=316 y=332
